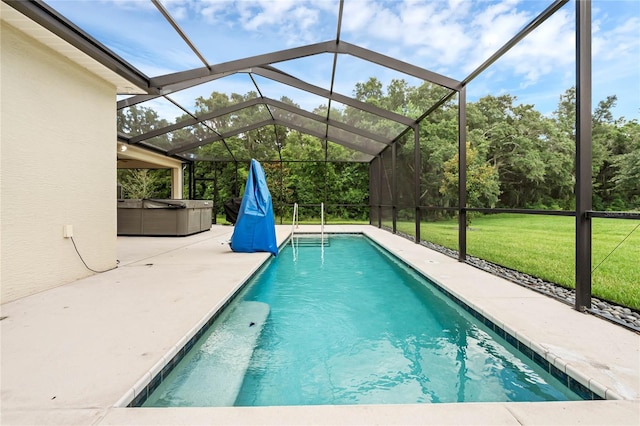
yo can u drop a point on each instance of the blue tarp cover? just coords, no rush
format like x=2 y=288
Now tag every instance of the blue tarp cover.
x=255 y=229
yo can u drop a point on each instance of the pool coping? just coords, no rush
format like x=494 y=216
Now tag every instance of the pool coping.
x=141 y=390
x=522 y=338
x=113 y=320
x=584 y=386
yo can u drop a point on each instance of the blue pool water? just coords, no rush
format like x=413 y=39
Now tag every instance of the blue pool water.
x=349 y=324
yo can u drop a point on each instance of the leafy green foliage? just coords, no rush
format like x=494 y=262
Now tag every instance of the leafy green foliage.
x=516 y=158
x=483 y=187
x=145 y=183
x=136 y=120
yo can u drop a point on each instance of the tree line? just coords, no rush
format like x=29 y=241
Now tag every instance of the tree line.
x=516 y=156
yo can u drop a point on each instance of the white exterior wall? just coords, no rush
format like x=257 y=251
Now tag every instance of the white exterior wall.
x=58 y=167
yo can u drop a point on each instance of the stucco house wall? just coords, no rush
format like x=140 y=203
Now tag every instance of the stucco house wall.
x=58 y=167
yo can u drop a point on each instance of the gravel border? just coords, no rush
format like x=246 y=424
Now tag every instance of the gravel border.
x=617 y=314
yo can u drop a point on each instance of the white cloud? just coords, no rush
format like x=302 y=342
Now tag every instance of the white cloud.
x=622 y=41
x=549 y=48
x=440 y=35
x=428 y=29
x=256 y=14
x=359 y=15
x=456 y=35
x=178 y=9
x=294 y=21
x=451 y=37
x=494 y=27
x=130 y=4
x=212 y=11
x=299 y=27
x=616 y=59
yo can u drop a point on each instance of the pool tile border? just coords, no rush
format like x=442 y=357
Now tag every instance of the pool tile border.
x=150 y=381
x=591 y=391
x=583 y=386
x=586 y=388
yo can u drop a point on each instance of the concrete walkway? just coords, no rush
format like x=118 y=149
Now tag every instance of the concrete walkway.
x=73 y=354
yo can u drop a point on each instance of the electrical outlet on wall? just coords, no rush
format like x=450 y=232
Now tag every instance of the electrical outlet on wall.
x=67 y=231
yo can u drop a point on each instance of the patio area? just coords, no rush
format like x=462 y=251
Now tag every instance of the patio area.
x=78 y=353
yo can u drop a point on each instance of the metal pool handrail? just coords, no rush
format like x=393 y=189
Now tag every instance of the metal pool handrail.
x=294 y=223
x=295 y=218
x=322 y=224
x=322 y=232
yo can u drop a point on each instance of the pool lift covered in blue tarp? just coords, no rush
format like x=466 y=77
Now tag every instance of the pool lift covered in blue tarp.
x=255 y=228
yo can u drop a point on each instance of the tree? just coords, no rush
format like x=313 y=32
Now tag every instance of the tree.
x=136 y=120
x=612 y=147
x=483 y=187
x=348 y=183
x=628 y=166
x=397 y=99
x=518 y=142
x=143 y=183
x=370 y=91
x=614 y=151
x=516 y=157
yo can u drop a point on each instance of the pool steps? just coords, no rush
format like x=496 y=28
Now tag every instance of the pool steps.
x=310 y=240
x=238 y=335
x=244 y=336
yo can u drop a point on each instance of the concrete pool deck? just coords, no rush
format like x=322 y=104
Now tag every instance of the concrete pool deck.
x=71 y=354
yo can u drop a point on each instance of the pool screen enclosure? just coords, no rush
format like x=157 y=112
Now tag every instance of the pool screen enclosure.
x=388 y=142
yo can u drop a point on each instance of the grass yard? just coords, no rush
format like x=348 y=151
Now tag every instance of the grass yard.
x=544 y=246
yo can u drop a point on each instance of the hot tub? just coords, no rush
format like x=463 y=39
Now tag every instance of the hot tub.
x=164 y=217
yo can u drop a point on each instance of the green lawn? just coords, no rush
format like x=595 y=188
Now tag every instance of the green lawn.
x=544 y=246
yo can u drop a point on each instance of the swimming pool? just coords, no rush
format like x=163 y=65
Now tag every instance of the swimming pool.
x=349 y=324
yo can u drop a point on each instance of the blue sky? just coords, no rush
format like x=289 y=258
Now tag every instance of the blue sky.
x=449 y=37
